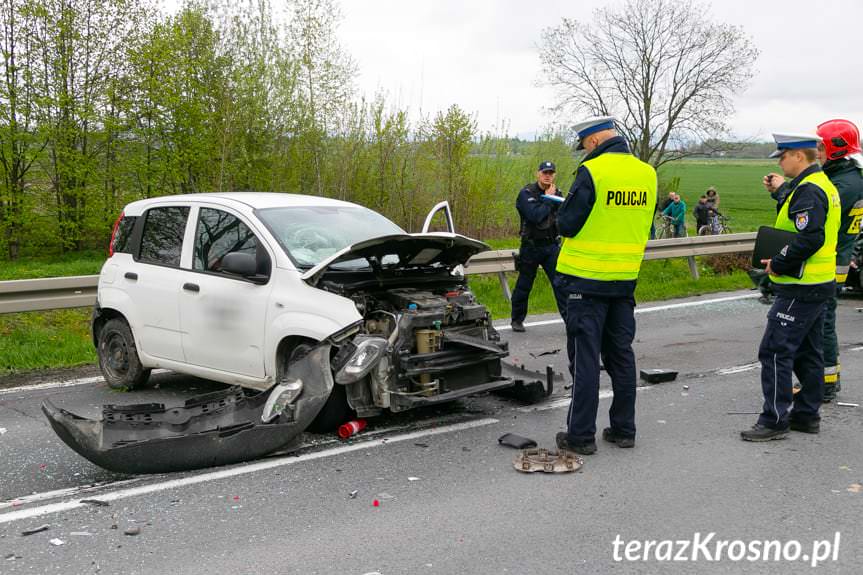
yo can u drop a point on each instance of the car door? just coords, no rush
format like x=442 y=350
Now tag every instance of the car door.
x=224 y=316
x=153 y=281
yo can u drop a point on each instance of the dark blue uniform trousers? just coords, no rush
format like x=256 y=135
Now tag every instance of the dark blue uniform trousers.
x=530 y=258
x=792 y=342
x=598 y=326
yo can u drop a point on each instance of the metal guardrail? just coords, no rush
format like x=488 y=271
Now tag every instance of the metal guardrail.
x=80 y=291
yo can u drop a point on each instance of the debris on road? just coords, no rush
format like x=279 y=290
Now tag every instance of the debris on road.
x=658 y=375
x=81 y=534
x=543 y=353
x=846 y=404
x=531 y=460
x=39 y=529
x=350 y=428
x=3 y=431
x=132 y=531
x=95 y=502
x=385 y=496
x=57 y=542
x=421 y=445
x=376 y=503
x=686 y=387
x=855 y=488
x=413 y=478
x=353 y=494
x=516 y=441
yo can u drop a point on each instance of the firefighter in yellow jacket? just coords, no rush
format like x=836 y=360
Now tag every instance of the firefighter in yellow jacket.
x=605 y=223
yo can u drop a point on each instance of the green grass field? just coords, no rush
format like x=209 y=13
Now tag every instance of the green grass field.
x=60 y=338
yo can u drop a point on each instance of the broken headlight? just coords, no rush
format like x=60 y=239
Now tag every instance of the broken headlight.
x=369 y=351
x=280 y=399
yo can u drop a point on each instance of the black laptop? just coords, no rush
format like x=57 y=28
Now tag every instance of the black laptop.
x=770 y=242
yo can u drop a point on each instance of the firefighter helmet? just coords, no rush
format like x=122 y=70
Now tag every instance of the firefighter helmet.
x=841 y=138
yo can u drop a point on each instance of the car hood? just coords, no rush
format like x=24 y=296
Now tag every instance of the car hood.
x=412 y=250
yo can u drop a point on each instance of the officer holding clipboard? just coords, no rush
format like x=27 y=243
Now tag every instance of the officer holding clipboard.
x=802 y=273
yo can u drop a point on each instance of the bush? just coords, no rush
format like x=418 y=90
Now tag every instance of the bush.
x=724 y=264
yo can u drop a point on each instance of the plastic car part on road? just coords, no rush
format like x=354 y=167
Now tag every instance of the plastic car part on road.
x=218 y=428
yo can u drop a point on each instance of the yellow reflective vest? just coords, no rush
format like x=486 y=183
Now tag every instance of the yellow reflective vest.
x=820 y=267
x=610 y=245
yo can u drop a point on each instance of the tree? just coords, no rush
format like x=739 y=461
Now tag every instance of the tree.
x=660 y=67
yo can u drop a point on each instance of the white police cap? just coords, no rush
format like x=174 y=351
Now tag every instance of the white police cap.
x=793 y=142
x=591 y=126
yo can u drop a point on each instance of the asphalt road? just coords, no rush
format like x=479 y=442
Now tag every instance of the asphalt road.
x=449 y=498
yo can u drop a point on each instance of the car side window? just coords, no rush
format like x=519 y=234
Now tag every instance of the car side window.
x=220 y=233
x=162 y=238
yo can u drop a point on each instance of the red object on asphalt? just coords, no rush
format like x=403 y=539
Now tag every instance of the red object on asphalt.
x=351 y=428
x=376 y=503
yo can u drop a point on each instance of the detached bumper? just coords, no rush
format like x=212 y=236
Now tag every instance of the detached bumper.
x=214 y=429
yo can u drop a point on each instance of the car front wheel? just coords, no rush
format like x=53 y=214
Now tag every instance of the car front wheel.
x=118 y=357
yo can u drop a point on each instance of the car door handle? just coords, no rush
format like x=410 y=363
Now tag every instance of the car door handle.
x=192 y=287
x=131 y=276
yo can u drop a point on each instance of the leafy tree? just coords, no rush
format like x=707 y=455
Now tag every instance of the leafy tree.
x=661 y=67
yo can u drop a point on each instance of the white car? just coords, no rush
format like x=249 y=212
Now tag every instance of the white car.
x=313 y=310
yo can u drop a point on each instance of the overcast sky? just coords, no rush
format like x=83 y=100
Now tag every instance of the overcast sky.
x=482 y=55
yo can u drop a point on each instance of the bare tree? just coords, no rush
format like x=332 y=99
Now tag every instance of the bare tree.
x=661 y=67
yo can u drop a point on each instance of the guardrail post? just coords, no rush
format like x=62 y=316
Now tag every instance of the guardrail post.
x=504 y=285
x=693 y=267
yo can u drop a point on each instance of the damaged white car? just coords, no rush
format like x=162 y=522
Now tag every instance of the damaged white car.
x=313 y=311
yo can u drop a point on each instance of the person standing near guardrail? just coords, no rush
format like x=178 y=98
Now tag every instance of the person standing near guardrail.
x=840 y=156
x=605 y=222
x=677 y=211
x=537 y=206
x=803 y=277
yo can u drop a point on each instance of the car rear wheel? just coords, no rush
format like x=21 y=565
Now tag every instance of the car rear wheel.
x=118 y=357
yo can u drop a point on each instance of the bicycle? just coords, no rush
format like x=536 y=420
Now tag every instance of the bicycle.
x=718 y=225
x=665 y=227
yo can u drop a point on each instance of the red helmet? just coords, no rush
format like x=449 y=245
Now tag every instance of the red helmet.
x=841 y=138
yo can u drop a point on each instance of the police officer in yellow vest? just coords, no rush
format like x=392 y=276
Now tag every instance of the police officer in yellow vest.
x=605 y=223
x=803 y=279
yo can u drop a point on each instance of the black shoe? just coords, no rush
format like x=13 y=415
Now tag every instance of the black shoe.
x=805 y=426
x=829 y=392
x=762 y=433
x=621 y=440
x=582 y=448
x=517 y=326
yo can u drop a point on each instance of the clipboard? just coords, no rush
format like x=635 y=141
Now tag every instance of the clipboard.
x=768 y=242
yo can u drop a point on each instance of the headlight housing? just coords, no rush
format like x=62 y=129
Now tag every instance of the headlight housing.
x=369 y=350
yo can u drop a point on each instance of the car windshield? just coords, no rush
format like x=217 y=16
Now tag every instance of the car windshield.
x=311 y=234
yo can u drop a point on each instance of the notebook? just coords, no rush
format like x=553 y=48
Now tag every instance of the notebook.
x=768 y=242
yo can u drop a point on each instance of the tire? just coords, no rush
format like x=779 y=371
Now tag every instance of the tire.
x=118 y=356
x=704 y=231
x=336 y=410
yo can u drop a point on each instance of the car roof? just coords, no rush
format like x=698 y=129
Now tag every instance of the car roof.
x=253 y=200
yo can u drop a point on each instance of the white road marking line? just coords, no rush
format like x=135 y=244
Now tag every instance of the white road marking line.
x=639 y=310
x=739 y=368
x=24 y=500
x=565 y=401
x=67 y=383
x=860 y=348
x=237 y=471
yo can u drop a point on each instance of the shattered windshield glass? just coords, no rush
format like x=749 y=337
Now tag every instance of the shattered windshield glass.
x=310 y=234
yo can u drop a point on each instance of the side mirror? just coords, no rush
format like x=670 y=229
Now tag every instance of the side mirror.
x=243 y=264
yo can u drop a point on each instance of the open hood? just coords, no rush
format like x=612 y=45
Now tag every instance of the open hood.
x=404 y=251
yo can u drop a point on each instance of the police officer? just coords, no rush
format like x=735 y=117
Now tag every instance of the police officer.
x=537 y=205
x=605 y=223
x=840 y=157
x=803 y=275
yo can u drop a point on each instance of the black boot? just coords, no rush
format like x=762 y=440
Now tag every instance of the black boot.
x=581 y=447
x=610 y=436
x=810 y=426
x=517 y=326
x=762 y=433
